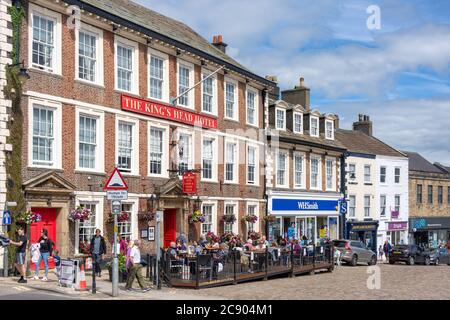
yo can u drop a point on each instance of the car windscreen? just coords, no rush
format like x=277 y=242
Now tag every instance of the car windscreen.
x=339 y=244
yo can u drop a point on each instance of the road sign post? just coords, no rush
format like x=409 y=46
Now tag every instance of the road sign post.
x=159 y=215
x=117 y=190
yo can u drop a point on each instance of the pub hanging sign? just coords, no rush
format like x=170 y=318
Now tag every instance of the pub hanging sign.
x=189 y=183
x=165 y=111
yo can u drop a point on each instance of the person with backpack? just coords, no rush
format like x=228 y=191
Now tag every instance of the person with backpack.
x=45 y=251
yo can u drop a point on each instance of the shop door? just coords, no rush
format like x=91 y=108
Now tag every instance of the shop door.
x=48 y=222
x=170 y=226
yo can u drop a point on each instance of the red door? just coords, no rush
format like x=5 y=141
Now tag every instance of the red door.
x=170 y=226
x=48 y=222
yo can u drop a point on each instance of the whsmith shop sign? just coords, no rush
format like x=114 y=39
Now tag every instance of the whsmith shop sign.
x=303 y=205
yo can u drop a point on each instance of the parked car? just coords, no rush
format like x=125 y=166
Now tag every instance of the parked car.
x=439 y=256
x=410 y=254
x=354 y=251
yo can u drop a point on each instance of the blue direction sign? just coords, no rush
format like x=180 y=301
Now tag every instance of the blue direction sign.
x=6 y=217
x=343 y=207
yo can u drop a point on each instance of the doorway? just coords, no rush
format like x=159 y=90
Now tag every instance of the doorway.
x=48 y=222
x=170 y=226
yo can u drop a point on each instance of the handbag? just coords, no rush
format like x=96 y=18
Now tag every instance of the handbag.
x=144 y=262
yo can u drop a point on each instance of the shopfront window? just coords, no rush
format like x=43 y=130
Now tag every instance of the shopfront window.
x=274 y=229
x=86 y=229
x=311 y=229
x=125 y=226
x=333 y=228
x=322 y=228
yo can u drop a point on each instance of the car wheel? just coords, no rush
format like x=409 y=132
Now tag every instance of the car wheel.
x=436 y=262
x=354 y=260
x=410 y=261
x=391 y=261
x=427 y=261
x=372 y=261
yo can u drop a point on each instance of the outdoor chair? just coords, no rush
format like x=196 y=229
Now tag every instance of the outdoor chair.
x=176 y=266
x=205 y=264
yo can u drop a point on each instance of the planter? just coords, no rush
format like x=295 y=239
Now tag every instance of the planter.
x=122 y=276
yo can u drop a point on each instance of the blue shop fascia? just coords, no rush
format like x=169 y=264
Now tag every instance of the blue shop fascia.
x=314 y=215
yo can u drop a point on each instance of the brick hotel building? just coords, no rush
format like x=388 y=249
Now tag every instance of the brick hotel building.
x=99 y=95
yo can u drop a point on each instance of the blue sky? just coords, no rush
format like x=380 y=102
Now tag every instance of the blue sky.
x=399 y=75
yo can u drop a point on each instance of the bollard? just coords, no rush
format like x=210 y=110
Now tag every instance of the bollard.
x=94 y=268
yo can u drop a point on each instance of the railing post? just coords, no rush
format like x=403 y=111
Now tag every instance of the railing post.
x=197 y=273
x=314 y=257
x=267 y=263
x=234 y=267
x=292 y=261
x=148 y=266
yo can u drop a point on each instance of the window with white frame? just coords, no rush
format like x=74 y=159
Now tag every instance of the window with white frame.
x=252 y=107
x=156 y=151
x=251 y=165
x=208 y=158
x=125 y=64
x=184 y=153
x=86 y=228
x=298 y=170
x=315 y=172
x=397 y=203
x=90 y=54
x=43 y=135
x=156 y=86
x=367 y=206
x=251 y=210
x=298 y=122
x=352 y=206
x=87 y=141
x=352 y=171
x=383 y=205
x=282 y=168
x=125 y=146
x=229 y=210
x=329 y=129
x=124 y=227
x=184 y=80
x=208 y=94
x=329 y=168
x=230 y=100
x=45 y=39
x=382 y=174
x=280 y=119
x=397 y=175
x=207 y=226
x=230 y=162
x=367 y=174
x=314 y=126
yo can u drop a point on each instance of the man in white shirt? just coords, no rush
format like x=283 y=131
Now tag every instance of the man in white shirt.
x=135 y=268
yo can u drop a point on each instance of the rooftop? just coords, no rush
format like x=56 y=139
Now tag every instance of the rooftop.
x=359 y=142
x=419 y=163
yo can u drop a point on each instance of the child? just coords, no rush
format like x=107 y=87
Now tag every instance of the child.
x=57 y=260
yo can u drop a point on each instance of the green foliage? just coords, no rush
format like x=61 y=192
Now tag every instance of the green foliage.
x=17 y=14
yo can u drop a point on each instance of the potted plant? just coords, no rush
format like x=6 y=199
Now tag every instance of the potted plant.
x=80 y=213
x=269 y=218
x=122 y=217
x=147 y=216
x=28 y=218
x=122 y=268
x=250 y=218
x=254 y=235
x=197 y=216
x=210 y=236
x=229 y=218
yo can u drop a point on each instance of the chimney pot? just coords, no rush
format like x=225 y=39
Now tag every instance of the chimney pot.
x=302 y=82
x=364 y=124
x=219 y=44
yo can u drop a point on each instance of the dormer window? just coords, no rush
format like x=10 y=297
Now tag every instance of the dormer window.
x=329 y=130
x=314 y=127
x=298 y=122
x=280 y=119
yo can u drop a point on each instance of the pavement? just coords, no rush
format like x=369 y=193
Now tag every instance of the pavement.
x=384 y=282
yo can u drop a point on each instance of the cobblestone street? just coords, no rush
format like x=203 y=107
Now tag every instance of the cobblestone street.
x=397 y=282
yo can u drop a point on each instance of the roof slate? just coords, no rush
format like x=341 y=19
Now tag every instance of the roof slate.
x=419 y=163
x=159 y=23
x=359 y=142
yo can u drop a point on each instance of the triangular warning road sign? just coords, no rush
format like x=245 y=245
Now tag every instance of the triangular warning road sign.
x=116 y=181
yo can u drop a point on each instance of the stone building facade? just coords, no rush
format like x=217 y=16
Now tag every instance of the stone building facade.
x=101 y=96
x=429 y=201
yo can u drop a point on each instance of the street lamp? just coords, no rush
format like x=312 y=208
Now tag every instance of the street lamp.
x=23 y=72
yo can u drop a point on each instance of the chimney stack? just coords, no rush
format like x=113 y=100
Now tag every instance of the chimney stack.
x=219 y=44
x=364 y=124
x=299 y=95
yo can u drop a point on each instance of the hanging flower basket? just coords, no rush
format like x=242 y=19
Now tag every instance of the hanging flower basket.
x=227 y=237
x=250 y=218
x=210 y=236
x=229 y=218
x=269 y=218
x=147 y=216
x=122 y=217
x=254 y=235
x=80 y=214
x=27 y=218
x=197 y=216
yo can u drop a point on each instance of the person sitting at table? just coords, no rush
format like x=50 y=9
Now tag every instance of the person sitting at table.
x=248 y=246
x=304 y=241
x=195 y=248
x=297 y=247
x=181 y=247
x=261 y=245
x=202 y=242
x=173 y=254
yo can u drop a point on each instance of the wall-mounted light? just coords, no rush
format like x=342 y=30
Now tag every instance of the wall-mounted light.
x=23 y=72
x=115 y=27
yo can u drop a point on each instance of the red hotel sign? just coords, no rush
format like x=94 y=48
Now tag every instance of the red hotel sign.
x=189 y=183
x=159 y=110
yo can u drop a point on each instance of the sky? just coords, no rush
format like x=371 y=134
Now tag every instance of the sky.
x=398 y=74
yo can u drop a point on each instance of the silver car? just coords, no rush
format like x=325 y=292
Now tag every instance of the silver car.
x=354 y=252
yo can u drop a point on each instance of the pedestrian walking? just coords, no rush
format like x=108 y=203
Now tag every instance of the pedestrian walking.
x=387 y=248
x=21 y=243
x=57 y=260
x=97 y=250
x=135 y=268
x=45 y=251
x=380 y=252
